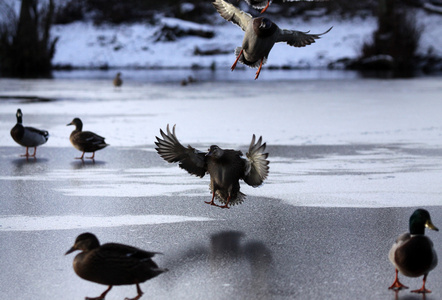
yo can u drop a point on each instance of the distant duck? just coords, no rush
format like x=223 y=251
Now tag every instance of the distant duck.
x=225 y=167
x=28 y=136
x=260 y=36
x=118 y=82
x=412 y=254
x=113 y=264
x=85 y=141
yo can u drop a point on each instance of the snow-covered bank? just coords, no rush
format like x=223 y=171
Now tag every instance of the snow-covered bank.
x=134 y=46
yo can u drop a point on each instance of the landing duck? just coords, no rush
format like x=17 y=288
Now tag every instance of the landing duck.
x=225 y=166
x=413 y=254
x=85 y=141
x=260 y=36
x=28 y=136
x=113 y=264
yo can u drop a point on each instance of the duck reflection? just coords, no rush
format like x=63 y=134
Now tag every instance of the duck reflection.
x=228 y=260
x=29 y=166
x=81 y=164
x=409 y=296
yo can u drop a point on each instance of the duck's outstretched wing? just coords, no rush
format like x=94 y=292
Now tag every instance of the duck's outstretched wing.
x=257 y=165
x=232 y=13
x=189 y=159
x=298 y=38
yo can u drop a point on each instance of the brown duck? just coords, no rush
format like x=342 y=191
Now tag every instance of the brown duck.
x=413 y=254
x=225 y=166
x=118 y=82
x=113 y=264
x=28 y=136
x=260 y=36
x=85 y=141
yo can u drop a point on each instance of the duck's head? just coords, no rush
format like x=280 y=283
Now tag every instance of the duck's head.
x=84 y=242
x=77 y=122
x=215 y=152
x=419 y=220
x=19 y=116
x=264 y=27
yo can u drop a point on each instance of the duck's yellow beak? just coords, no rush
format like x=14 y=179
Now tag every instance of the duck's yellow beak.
x=430 y=225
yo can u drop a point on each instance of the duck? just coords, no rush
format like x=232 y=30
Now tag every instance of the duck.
x=260 y=36
x=28 y=136
x=412 y=253
x=118 y=82
x=85 y=141
x=225 y=166
x=113 y=264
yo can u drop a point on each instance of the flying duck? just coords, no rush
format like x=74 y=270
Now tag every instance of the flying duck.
x=412 y=254
x=85 y=141
x=113 y=264
x=28 y=136
x=260 y=36
x=225 y=166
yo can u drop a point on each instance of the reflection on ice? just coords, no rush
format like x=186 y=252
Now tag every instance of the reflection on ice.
x=230 y=259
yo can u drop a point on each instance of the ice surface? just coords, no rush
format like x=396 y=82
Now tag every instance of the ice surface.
x=348 y=143
x=35 y=223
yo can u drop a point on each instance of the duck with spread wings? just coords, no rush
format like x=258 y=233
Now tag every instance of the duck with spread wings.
x=260 y=36
x=225 y=166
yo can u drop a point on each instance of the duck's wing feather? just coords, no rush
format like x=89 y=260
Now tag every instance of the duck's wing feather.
x=37 y=131
x=171 y=150
x=257 y=165
x=232 y=13
x=91 y=137
x=298 y=38
x=126 y=251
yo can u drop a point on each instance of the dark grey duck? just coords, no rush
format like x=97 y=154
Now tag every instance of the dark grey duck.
x=225 y=166
x=113 y=264
x=85 y=141
x=260 y=36
x=28 y=136
x=413 y=254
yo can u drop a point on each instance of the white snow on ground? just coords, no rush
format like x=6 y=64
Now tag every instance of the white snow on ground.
x=82 y=44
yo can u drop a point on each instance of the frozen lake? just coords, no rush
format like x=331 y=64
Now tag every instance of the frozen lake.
x=350 y=159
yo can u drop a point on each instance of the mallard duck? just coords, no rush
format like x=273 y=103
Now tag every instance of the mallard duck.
x=260 y=36
x=113 y=264
x=28 y=136
x=412 y=254
x=117 y=80
x=85 y=141
x=225 y=166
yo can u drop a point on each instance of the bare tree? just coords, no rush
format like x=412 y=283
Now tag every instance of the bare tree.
x=26 y=48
